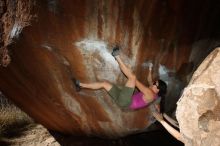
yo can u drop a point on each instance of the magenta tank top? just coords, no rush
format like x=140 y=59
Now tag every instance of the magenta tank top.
x=137 y=101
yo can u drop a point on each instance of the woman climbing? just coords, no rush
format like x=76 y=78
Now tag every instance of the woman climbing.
x=125 y=96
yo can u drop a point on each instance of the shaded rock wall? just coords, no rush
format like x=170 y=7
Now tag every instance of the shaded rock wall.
x=198 y=110
x=14 y=15
x=74 y=39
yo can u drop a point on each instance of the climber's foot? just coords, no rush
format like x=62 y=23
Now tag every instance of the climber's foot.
x=76 y=84
x=115 y=51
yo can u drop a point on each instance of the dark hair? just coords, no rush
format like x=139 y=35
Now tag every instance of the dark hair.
x=162 y=88
x=162 y=92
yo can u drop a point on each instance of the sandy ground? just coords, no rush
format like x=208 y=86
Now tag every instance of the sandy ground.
x=37 y=135
x=31 y=135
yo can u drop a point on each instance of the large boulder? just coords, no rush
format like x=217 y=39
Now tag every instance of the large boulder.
x=198 y=110
x=74 y=38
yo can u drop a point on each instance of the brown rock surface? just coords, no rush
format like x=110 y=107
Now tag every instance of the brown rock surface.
x=198 y=110
x=73 y=38
x=14 y=16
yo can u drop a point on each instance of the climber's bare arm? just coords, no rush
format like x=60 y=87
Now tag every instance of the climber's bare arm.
x=157 y=107
x=149 y=77
x=169 y=128
x=172 y=131
x=144 y=89
x=170 y=120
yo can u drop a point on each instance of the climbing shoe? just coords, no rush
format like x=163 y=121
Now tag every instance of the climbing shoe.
x=115 y=51
x=76 y=84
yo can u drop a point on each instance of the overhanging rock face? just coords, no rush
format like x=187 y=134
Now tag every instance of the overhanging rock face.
x=198 y=111
x=75 y=38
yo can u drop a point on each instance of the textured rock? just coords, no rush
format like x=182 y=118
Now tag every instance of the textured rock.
x=14 y=15
x=73 y=38
x=198 y=110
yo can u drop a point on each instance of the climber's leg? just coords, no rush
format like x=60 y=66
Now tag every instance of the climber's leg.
x=96 y=85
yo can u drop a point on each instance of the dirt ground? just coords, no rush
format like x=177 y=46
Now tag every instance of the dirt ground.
x=30 y=135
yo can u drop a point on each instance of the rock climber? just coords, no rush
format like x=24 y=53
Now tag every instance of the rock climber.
x=126 y=97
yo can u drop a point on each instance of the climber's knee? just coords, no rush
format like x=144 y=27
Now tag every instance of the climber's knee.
x=131 y=81
x=106 y=85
